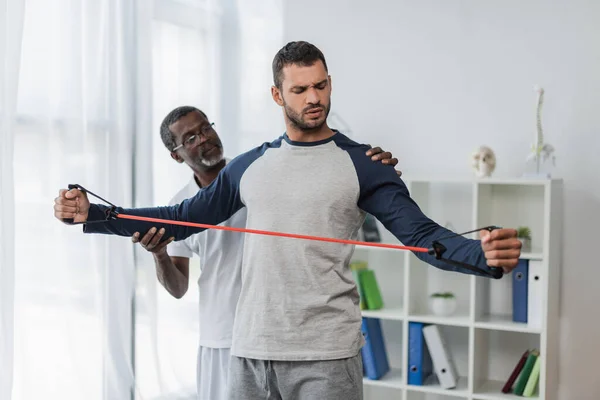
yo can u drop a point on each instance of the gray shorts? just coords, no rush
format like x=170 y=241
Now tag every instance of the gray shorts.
x=251 y=379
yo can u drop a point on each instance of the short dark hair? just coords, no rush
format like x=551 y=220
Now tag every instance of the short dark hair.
x=172 y=117
x=299 y=53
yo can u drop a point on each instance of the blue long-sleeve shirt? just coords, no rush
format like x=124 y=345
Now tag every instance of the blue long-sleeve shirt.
x=298 y=299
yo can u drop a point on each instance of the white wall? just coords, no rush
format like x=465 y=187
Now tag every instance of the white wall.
x=411 y=75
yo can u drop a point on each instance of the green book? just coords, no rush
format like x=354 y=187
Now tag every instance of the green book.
x=527 y=368
x=533 y=379
x=356 y=267
x=370 y=289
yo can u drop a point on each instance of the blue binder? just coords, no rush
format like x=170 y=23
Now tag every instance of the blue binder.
x=374 y=354
x=420 y=366
x=520 y=287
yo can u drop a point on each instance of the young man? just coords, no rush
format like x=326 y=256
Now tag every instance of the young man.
x=191 y=139
x=297 y=328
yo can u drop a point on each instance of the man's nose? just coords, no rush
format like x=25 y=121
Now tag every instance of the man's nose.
x=313 y=96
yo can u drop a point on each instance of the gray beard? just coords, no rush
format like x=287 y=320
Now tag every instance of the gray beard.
x=212 y=163
x=204 y=163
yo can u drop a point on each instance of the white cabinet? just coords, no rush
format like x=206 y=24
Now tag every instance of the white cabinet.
x=485 y=342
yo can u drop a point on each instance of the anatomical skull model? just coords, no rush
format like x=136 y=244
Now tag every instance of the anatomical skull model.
x=484 y=162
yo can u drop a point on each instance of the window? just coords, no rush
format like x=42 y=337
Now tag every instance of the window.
x=183 y=66
x=61 y=136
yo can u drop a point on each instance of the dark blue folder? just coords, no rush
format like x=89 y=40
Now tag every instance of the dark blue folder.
x=374 y=354
x=420 y=366
x=520 y=287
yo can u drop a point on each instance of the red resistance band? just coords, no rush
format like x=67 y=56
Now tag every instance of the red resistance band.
x=270 y=233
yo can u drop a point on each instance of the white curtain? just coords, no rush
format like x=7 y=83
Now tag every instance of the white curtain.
x=11 y=24
x=76 y=116
x=84 y=86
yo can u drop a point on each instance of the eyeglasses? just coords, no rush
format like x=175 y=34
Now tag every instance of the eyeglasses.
x=193 y=140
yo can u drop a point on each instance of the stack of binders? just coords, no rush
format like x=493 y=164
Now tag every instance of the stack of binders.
x=429 y=357
x=527 y=292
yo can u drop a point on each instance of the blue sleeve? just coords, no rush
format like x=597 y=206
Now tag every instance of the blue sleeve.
x=212 y=205
x=384 y=195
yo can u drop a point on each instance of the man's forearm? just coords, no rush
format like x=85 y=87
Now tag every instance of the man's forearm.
x=169 y=276
x=127 y=227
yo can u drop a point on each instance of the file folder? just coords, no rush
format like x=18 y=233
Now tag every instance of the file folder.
x=520 y=287
x=536 y=281
x=441 y=357
x=374 y=354
x=420 y=367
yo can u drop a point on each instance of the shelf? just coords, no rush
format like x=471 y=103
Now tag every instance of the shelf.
x=393 y=313
x=492 y=390
x=483 y=340
x=504 y=323
x=489 y=181
x=537 y=255
x=393 y=379
x=456 y=320
x=432 y=386
x=496 y=353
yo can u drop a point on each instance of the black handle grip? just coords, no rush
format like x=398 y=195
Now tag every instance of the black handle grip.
x=70 y=220
x=496 y=272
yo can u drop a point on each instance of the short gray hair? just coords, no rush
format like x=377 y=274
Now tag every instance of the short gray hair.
x=165 y=133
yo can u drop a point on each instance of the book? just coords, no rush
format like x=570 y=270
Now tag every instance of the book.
x=515 y=373
x=370 y=289
x=356 y=267
x=533 y=378
x=527 y=368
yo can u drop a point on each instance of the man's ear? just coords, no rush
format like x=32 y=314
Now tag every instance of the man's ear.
x=276 y=93
x=176 y=157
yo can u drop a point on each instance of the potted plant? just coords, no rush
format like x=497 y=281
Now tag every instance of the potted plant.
x=524 y=235
x=442 y=303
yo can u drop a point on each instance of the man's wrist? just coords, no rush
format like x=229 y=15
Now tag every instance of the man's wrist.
x=161 y=255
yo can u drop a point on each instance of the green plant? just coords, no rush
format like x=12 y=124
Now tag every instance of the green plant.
x=523 y=232
x=445 y=295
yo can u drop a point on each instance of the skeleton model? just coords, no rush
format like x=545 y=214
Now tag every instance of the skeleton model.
x=540 y=151
x=484 y=162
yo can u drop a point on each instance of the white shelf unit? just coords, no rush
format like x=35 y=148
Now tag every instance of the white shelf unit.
x=485 y=342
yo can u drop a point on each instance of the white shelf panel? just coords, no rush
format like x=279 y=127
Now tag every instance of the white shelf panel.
x=491 y=181
x=393 y=379
x=504 y=323
x=393 y=313
x=461 y=389
x=455 y=320
x=492 y=390
x=535 y=255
